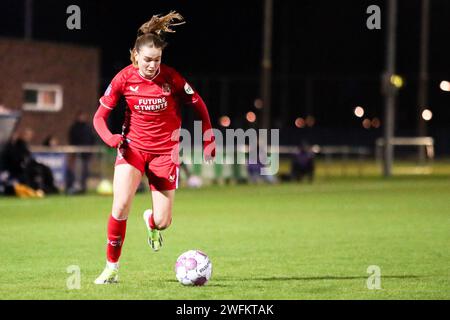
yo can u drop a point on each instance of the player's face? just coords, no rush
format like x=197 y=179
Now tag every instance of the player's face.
x=149 y=60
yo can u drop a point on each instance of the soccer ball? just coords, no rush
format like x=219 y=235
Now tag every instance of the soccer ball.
x=195 y=182
x=193 y=268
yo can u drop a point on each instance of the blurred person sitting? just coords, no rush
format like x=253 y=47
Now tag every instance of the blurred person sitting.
x=80 y=134
x=23 y=168
x=303 y=164
x=255 y=168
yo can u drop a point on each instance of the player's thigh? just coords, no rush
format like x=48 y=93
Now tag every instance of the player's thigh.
x=162 y=206
x=126 y=181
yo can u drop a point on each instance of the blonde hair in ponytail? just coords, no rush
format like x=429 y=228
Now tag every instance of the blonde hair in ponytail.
x=152 y=32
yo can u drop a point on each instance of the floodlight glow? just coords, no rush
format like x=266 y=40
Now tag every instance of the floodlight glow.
x=225 y=121
x=258 y=103
x=366 y=123
x=300 y=122
x=359 y=111
x=310 y=121
x=397 y=81
x=427 y=115
x=376 y=123
x=251 y=116
x=445 y=86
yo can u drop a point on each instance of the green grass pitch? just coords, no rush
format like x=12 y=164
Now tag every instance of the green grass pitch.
x=291 y=241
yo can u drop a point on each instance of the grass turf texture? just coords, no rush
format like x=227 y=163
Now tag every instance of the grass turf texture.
x=291 y=241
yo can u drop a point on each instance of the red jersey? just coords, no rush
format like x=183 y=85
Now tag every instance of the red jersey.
x=153 y=113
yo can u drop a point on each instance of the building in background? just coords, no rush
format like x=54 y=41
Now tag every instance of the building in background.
x=49 y=83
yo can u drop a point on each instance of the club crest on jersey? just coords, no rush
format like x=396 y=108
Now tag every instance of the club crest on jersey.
x=188 y=89
x=166 y=89
x=134 y=89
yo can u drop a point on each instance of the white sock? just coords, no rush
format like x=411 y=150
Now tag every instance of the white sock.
x=112 y=265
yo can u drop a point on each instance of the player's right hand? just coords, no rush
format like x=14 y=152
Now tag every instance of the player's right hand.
x=115 y=140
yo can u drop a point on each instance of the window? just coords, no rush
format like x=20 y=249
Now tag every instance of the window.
x=42 y=97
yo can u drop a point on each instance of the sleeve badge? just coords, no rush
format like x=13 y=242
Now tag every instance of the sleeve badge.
x=188 y=89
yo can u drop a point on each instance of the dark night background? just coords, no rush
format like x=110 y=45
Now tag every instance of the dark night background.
x=323 y=43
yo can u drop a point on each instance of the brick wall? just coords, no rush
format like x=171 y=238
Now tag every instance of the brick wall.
x=75 y=68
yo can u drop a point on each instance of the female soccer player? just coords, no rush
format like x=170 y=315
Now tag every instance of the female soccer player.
x=149 y=142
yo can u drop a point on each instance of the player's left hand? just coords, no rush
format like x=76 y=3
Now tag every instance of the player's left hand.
x=209 y=151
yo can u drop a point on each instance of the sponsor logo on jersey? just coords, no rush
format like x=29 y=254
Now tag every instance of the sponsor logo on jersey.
x=151 y=104
x=134 y=89
x=188 y=89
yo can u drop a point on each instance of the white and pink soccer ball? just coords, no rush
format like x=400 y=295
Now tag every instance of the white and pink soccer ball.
x=194 y=182
x=193 y=268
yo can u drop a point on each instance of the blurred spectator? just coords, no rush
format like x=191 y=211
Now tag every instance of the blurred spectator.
x=80 y=134
x=254 y=172
x=50 y=141
x=254 y=169
x=6 y=185
x=21 y=166
x=303 y=164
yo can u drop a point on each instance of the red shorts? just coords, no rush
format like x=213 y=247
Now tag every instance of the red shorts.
x=162 y=172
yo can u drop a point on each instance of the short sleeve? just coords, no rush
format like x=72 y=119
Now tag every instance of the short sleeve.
x=113 y=92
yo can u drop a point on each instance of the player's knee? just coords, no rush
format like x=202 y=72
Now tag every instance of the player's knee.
x=120 y=210
x=164 y=223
